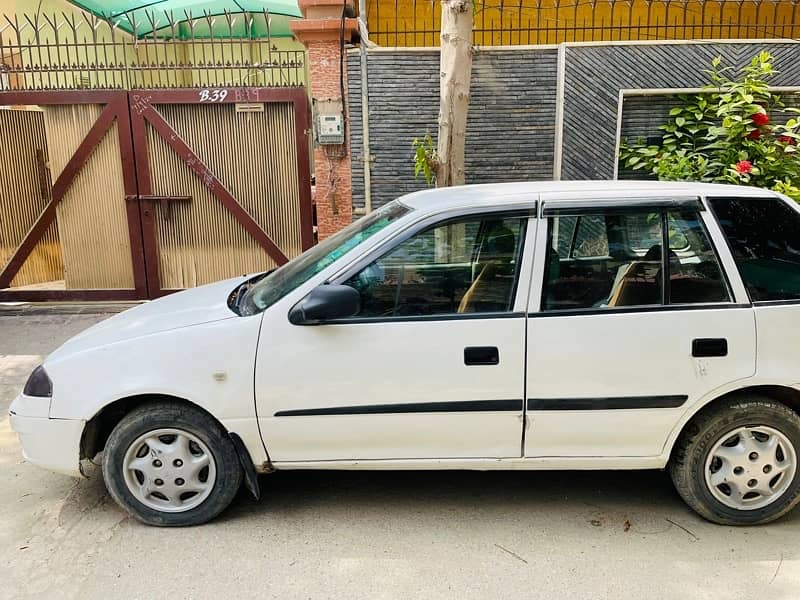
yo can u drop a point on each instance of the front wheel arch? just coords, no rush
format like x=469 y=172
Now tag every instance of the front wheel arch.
x=99 y=427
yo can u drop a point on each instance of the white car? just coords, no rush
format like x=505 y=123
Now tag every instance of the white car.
x=508 y=326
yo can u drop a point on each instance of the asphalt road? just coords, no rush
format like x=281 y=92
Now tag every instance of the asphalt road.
x=373 y=535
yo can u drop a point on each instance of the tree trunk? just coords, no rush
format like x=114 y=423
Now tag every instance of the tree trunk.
x=455 y=71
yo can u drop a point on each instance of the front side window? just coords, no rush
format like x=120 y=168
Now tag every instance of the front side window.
x=296 y=272
x=469 y=265
x=615 y=260
x=764 y=237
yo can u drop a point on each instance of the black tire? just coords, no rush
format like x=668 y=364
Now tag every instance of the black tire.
x=154 y=416
x=687 y=464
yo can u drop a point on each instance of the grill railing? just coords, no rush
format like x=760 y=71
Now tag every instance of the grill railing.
x=83 y=51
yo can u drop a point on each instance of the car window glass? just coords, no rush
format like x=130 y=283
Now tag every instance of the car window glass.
x=627 y=274
x=764 y=237
x=296 y=272
x=590 y=238
x=695 y=275
x=464 y=266
x=624 y=267
x=564 y=234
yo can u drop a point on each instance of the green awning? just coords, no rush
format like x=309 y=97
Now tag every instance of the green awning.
x=223 y=18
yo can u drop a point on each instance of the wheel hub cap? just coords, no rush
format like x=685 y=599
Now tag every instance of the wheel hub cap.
x=169 y=470
x=750 y=467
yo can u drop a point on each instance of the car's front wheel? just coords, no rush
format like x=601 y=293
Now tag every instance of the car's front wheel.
x=737 y=463
x=171 y=465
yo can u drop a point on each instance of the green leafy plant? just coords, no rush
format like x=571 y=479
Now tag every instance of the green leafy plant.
x=426 y=160
x=726 y=134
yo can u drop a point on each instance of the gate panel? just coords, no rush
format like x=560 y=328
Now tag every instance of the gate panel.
x=25 y=185
x=92 y=221
x=224 y=182
x=75 y=239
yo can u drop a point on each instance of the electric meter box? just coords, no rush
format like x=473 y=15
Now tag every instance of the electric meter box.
x=329 y=129
x=330 y=123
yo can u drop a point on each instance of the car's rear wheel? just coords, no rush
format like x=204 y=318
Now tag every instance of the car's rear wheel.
x=737 y=463
x=171 y=465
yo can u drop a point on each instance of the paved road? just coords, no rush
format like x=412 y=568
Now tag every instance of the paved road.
x=374 y=535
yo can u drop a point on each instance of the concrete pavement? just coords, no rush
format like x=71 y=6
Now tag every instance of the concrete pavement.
x=373 y=535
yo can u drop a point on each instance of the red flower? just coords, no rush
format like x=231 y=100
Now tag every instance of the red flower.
x=787 y=140
x=754 y=135
x=760 y=119
x=743 y=167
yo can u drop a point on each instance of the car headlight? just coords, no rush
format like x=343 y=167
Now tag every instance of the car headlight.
x=39 y=384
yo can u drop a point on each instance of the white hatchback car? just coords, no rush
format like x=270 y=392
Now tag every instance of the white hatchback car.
x=509 y=326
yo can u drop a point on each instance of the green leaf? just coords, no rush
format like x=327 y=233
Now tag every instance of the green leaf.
x=680 y=121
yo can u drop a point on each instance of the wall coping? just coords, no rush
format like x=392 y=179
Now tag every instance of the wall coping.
x=421 y=49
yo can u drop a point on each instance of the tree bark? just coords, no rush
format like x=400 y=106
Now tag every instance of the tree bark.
x=455 y=71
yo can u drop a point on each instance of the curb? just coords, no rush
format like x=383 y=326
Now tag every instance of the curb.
x=14 y=309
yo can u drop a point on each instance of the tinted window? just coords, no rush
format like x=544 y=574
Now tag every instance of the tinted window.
x=764 y=236
x=465 y=266
x=619 y=262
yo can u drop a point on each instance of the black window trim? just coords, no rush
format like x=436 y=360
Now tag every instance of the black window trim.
x=578 y=312
x=664 y=209
x=527 y=211
x=609 y=206
x=775 y=302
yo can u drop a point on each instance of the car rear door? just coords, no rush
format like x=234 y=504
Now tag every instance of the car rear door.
x=433 y=367
x=624 y=338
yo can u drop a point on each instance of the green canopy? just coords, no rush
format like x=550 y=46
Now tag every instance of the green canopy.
x=197 y=18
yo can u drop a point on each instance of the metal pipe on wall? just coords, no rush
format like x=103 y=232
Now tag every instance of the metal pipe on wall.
x=366 y=156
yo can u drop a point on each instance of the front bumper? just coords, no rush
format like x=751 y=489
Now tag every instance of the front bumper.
x=52 y=444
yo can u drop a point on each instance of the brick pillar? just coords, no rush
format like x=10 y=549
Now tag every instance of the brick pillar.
x=320 y=32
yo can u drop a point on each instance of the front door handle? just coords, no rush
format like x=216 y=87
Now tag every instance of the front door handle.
x=481 y=355
x=708 y=347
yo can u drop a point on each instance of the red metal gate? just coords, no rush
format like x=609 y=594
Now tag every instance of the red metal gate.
x=248 y=207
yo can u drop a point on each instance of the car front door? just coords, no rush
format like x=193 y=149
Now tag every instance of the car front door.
x=431 y=367
x=626 y=337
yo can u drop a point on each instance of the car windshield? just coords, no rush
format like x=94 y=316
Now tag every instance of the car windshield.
x=296 y=272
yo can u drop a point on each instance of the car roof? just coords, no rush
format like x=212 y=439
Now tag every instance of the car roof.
x=525 y=193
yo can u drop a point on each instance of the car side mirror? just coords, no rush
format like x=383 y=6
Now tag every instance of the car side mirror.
x=325 y=303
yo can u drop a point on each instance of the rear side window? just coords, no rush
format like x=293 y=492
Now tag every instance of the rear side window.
x=615 y=260
x=764 y=237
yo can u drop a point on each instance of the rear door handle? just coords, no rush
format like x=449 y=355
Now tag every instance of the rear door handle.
x=481 y=355
x=707 y=347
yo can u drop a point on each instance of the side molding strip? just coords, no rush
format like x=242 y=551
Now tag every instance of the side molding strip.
x=630 y=402
x=414 y=407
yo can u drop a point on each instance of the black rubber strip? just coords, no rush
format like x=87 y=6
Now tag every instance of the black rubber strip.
x=414 y=407
x=606 y=403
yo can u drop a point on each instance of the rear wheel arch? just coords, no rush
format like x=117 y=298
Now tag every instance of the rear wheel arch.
x=783 y=394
